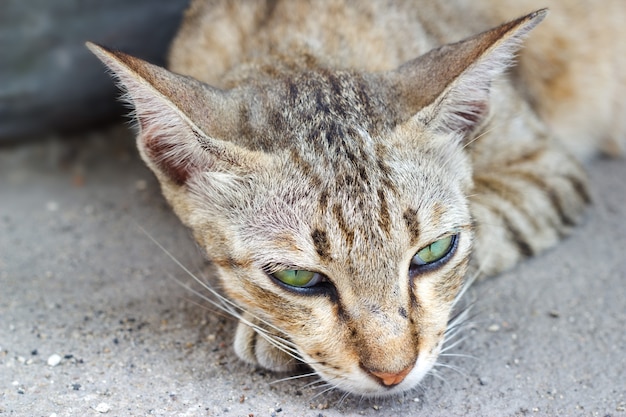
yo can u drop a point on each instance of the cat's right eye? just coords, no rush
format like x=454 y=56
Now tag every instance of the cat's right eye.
x=298 y=278
x=303 y=282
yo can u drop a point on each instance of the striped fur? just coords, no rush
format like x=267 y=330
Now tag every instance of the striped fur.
x=342 y=137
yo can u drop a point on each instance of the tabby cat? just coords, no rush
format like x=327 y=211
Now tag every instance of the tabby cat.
x=347 y=164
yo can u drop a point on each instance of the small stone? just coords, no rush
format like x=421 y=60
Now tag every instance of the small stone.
x=103 y=408
x=54 y=360
x=52 y=206
x=493 y=328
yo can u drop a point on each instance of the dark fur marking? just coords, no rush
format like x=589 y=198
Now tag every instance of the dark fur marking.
x=253 y=344
x=307 y=169
x=415 y=304
x=321 y=243
x=384 y=219
x=580 y=187
x=516 y=236
x=552 y=195
x=347 y=233
x=323 y=201
x=403 y=313
x=276 y=120
x=363 y=175
x=505 y=190
x=292 y=92
x=321 y=102
x=412 y=223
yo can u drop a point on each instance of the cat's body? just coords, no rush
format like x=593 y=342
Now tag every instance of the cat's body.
x=329 y=148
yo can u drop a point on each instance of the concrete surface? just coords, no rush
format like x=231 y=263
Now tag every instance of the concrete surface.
x=93 y=321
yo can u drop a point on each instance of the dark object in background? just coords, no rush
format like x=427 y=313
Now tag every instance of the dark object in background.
x=49 y=81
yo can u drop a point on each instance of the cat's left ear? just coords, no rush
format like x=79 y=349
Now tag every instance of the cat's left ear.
x=183 y=123
x=448 y=88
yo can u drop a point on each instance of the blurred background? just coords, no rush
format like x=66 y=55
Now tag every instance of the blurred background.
x=50 y=82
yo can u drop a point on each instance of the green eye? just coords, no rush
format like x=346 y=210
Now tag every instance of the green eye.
x=298 y=278
x=434 y=252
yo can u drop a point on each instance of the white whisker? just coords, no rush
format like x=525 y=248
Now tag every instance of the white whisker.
x=452 y=367
x=343 y=398
x=229 y=307
x=329 y=389
x=291 y=378
x=482 y=134
x=435 y=373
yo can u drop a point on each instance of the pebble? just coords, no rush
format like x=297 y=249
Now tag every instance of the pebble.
x=54 y=360
x=493 y=328
x=103 y=408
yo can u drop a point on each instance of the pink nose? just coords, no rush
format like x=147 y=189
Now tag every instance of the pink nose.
x=390 y=378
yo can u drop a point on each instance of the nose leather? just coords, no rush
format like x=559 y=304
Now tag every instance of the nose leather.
x=390 y=378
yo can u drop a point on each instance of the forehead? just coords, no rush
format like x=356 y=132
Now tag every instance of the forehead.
x=314 y=107
x=351 y=185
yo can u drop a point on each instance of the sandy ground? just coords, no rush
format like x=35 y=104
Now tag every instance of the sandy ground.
x=94 y=322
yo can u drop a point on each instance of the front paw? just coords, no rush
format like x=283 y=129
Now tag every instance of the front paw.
x=263 y=349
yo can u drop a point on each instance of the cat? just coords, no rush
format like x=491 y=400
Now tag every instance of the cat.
x=348 y=166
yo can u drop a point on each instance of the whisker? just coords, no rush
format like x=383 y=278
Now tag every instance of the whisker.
x=229 y=306
x=316 y=384
x=291 y=378
x=484 y=133
x=329 y=389
x=452 y=367
x=230 y=309
x=219 y=303
x=199 y=281
x=343 y=398
x=457 y=355
x=435 y=373
x=211 y=308
x=451 y=346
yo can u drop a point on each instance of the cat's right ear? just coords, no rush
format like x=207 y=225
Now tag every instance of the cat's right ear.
x=181 y=121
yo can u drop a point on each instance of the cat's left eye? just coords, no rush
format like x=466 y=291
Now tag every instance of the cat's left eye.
x=436 y=251
x=298 y=278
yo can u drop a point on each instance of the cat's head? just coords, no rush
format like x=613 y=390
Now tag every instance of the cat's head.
x=333 y=203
